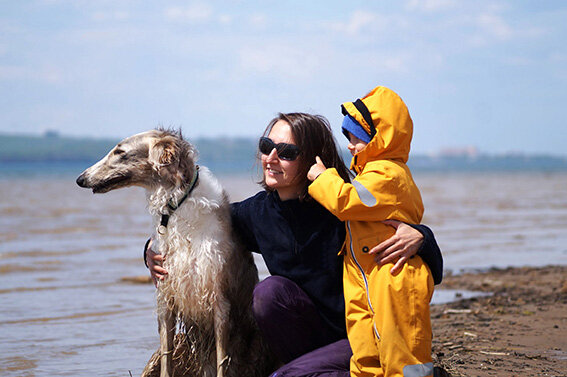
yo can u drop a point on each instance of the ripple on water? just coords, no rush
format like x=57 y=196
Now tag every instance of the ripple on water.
x=41 y=253
x=20 y=366
x=6 y=269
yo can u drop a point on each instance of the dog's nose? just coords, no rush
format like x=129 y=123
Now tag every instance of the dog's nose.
x=81 y=180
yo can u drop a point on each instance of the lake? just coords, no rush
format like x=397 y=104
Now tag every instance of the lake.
x=66 y=310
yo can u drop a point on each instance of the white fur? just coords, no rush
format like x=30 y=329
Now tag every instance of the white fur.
x=192 y=246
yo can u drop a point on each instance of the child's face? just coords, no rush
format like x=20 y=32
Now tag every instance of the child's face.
x=355 y=145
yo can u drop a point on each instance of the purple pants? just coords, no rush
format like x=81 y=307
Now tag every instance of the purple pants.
x=295 y=332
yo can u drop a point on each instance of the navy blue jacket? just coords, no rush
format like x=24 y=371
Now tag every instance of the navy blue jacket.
x=300 y=240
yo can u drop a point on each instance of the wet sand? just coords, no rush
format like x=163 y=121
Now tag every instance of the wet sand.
x=519 y=330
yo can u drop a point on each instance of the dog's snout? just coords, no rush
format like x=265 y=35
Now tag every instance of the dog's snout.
x=81 y=181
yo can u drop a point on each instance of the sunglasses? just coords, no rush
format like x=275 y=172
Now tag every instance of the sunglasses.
x=288 y=152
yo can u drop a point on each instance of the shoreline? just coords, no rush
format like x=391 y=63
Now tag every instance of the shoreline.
x=519 y=329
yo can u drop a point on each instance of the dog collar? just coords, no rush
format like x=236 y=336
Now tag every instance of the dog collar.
x=172 y=207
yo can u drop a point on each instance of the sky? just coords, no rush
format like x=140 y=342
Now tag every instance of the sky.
x=490 y=75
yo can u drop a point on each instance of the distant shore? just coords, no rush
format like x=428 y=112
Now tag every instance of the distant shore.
x=238 y=154
x=521 y=329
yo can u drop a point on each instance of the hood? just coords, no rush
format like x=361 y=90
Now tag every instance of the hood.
x=384 y=111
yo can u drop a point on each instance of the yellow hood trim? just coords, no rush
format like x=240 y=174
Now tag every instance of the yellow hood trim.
x=394 y=127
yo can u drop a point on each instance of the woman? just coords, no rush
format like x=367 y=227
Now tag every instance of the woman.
x=300 y=307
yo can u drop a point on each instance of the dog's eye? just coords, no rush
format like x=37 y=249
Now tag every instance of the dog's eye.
x=119 y=151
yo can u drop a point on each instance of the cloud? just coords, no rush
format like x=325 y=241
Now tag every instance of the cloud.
x=201 y=13
x=16 y=73
x=280 y=61
x=359 y=21
x=494 y=26
x=225 y=19
x=430 y=5
x=258 y=20
x=400 y=62
x=194 y=13
x=107 y=38
x=110 y=16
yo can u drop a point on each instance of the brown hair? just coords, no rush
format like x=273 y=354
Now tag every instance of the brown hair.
x=314 y=137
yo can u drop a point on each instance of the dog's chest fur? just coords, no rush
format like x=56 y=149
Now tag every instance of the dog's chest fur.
x=196 y=246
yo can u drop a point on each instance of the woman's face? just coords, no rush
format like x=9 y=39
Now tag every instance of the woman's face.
x=281 y=175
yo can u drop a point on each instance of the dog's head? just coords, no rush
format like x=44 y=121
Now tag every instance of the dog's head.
x=149 y=159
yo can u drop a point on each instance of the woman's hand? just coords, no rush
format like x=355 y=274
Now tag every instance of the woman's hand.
x=155 y=262
x=398 y=248
x=317 y=168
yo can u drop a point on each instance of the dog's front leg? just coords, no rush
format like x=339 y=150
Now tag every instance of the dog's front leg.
x=166 y=321
x=222 y=311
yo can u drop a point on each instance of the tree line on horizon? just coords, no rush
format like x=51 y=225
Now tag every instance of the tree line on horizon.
x=242 y=152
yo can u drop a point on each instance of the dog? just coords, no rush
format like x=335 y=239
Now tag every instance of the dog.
x=207 y=294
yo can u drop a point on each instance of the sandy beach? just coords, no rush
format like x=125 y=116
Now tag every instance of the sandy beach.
x=518 y=330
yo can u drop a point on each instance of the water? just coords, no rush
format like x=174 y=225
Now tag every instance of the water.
x=497 y=219
x=65 y=310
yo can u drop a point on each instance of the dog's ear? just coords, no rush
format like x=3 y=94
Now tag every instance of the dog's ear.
x=164 y=153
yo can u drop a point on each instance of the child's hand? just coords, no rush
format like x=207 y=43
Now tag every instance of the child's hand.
x=316 y=169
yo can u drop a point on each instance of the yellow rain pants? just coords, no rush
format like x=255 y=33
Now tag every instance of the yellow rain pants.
x=387 y=316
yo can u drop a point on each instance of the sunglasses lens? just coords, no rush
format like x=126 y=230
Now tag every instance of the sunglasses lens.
x=285 y=151
x=266 y=145
x=288 y=152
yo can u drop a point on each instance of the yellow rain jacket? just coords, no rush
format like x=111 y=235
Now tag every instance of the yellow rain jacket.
x=387 y=315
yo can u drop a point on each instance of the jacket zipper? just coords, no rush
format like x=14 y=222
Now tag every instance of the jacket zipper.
x=363 y=277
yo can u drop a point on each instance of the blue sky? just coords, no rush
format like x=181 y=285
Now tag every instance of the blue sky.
x=487 y=74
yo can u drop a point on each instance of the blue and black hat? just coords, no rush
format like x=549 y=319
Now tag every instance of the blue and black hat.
x=352 y=126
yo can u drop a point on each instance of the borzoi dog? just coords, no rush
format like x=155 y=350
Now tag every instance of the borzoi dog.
x=208 y=292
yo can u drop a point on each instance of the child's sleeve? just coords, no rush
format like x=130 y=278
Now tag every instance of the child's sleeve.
x=369 y=198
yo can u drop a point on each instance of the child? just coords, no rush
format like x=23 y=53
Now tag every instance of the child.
x=387 y=315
